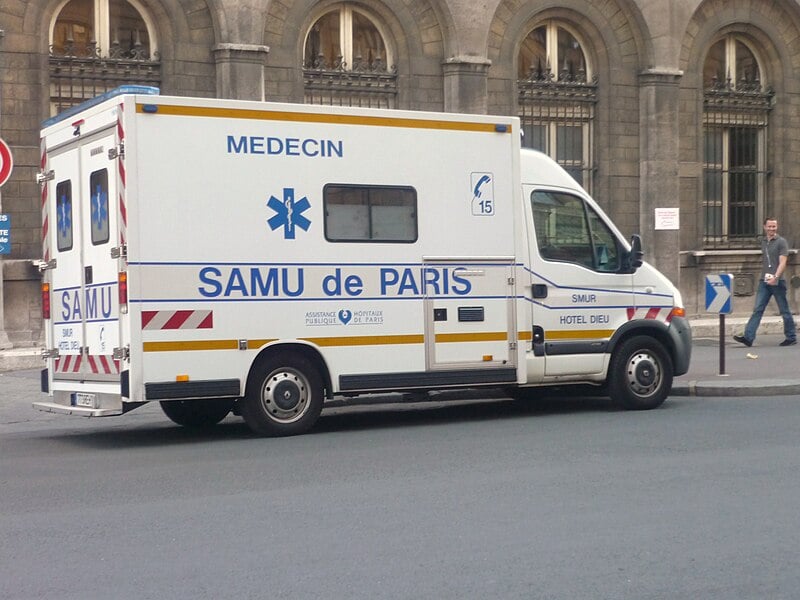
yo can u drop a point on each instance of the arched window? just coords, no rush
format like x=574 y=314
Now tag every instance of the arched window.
x=552 y=52
x=556 y=96
x=96 y=45
x=107 y=28
x=735 y=119
x=347 y=60
x=730 y=63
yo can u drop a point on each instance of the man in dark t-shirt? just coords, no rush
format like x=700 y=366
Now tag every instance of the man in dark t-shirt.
x=774 y=254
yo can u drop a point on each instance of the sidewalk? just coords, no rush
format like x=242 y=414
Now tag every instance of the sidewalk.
x=765 y=369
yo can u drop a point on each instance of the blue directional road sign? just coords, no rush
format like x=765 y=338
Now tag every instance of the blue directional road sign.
x=5 y=234
x=718 y=293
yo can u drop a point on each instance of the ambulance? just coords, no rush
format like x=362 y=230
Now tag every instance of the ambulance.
x=223 y=256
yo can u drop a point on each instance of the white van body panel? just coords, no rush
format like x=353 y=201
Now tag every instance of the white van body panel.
x=396 y=249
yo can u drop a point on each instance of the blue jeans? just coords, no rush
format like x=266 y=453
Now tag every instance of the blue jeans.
x=762 y=299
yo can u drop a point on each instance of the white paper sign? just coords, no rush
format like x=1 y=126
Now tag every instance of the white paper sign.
x=668 y=218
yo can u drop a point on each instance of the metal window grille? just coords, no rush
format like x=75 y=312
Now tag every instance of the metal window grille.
x=369 y=84
x=735 y=123
x=557 y=118
x=79 y=73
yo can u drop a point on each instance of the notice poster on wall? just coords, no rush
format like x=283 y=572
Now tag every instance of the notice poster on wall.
x=668 y=218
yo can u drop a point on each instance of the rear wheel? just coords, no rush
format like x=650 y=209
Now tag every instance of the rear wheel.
x=284 y=395
x=197 y=414
x=640 y=374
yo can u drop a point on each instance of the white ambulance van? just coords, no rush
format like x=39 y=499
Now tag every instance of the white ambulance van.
x=225 y=256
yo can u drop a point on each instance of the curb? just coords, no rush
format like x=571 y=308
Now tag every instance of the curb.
x=17 y=359
x=737 y=388
x=709 y=328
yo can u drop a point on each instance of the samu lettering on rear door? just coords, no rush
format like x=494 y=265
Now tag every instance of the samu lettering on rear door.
x=95 y=305
x=97 y=302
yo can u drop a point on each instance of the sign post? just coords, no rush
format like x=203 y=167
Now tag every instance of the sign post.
x=718 y=299
x=6 y=166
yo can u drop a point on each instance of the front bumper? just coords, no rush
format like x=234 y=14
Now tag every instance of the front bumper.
x=680 y=333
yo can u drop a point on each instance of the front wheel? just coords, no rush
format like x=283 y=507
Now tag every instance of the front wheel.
x=640 y=374
x=284 y=395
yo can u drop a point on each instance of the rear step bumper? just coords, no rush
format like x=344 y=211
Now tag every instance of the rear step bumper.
x=80 y=411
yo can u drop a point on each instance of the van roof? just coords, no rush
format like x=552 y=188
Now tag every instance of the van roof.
x=118 y=91
x=539 y=169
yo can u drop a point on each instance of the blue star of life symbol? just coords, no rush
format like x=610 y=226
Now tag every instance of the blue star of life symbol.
x=64 y=216
x=99 y=207
x=288 y=213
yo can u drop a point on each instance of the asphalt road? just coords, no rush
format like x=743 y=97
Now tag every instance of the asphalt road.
x=568 y=499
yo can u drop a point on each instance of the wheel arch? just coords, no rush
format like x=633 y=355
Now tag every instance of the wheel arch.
x=308 y=351
x=654 y=329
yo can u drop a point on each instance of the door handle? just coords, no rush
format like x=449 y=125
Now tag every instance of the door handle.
x=539 y=290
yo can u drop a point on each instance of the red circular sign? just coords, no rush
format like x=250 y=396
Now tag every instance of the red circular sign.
x=6 y=162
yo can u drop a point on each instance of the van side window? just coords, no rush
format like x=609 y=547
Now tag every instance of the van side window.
x=64 y=216
x=569 y=230
x=98 y=191
x=366 y=213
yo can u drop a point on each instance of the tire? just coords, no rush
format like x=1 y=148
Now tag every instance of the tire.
x=197 y=414
x=640 y=374
x=284 y=395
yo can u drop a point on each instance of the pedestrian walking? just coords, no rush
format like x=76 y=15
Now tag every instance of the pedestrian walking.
x=774 y=254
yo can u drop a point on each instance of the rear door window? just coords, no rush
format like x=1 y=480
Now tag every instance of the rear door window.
x=98 y=188
x=64 y=220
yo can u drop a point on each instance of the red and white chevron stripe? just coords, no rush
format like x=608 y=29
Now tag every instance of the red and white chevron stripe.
x=102 y=363
x=123 y=211
x=44 y=206
x=177 y=319
x=655 y=312
x=96 y=363
x=70 y=363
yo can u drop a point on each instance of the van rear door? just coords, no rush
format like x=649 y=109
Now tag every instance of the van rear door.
x=85 y=310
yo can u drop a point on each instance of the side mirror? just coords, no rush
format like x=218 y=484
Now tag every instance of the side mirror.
x=636 y=254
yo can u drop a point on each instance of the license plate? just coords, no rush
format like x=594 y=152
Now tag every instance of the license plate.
x=84 y=399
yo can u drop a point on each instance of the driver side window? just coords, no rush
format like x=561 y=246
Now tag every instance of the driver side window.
x=567 y=230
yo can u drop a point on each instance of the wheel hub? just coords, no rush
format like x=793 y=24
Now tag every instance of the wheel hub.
x=285 y=396
x=644 y=375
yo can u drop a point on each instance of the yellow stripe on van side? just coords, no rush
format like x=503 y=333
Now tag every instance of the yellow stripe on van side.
x=486 y=336
x=181 y=346
x=274 y=115
x=358 y=340
x=367 y=340
x=256 y=344
x=579 y=334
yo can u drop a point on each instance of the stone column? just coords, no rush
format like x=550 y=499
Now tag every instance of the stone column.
x=659 y=184
x=240 y=70
x=465 y=88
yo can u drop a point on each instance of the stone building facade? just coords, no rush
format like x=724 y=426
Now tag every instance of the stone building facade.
x=687 y=107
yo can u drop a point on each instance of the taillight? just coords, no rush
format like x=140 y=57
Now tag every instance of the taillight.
x=45 y=301
x=122 y=290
